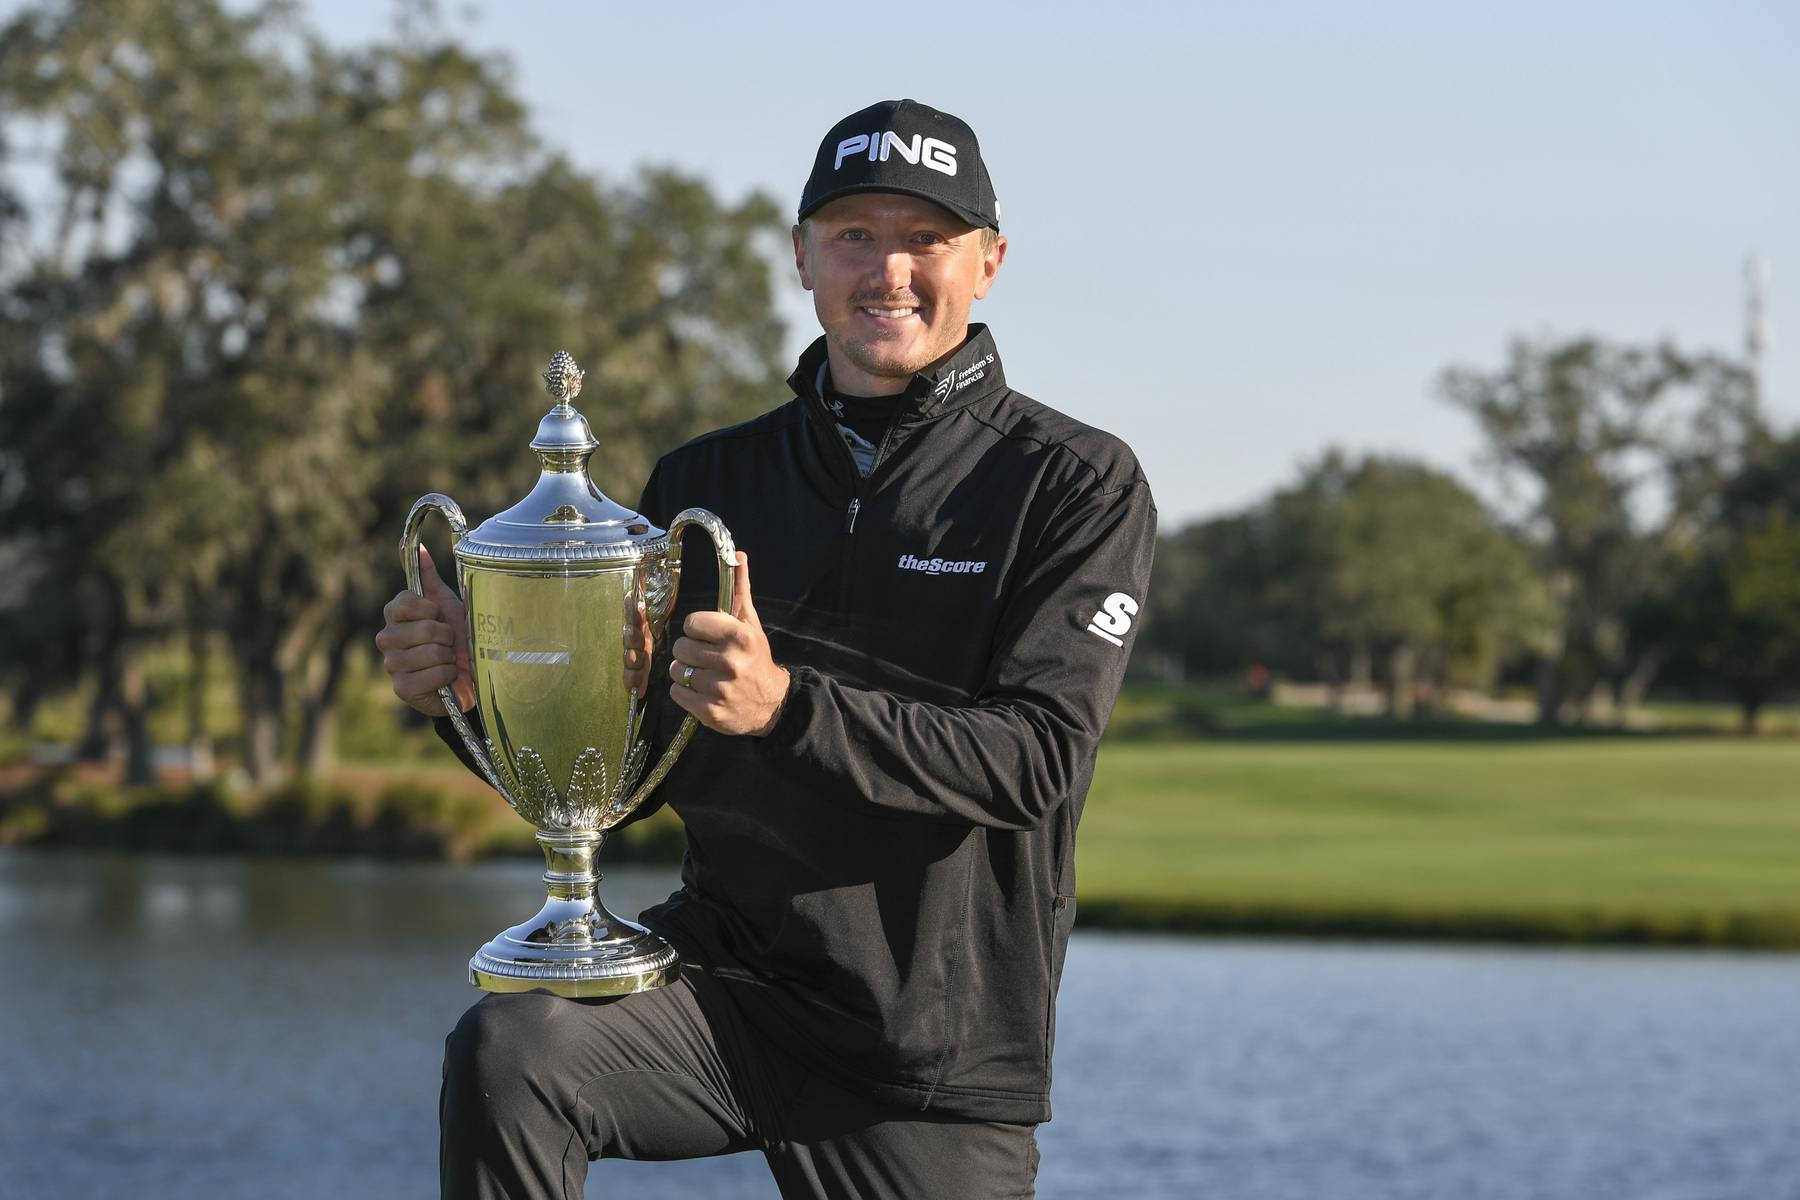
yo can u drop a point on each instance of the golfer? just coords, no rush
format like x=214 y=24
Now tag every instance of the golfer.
x=938 y=591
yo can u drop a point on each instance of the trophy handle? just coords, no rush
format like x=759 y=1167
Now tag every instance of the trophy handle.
x=727 y=553
x=415 y=581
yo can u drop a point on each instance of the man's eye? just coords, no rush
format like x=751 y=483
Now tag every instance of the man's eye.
x=853 y=235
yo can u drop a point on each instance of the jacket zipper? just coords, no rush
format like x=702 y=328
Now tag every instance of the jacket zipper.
x=862 y=481
x=858 y=487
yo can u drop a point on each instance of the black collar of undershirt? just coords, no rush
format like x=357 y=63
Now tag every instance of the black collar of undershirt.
x=868 y=415
x=852 y=409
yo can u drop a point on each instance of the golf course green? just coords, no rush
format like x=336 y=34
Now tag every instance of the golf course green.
x=1655 y=839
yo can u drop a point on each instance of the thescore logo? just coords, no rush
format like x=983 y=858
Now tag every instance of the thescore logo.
x=942 y=566
x=935 y=153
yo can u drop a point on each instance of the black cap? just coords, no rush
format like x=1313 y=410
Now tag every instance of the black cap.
x=907 y=147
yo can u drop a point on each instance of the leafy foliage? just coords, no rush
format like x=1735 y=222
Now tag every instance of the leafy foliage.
x=1736 y=615
x=1379 y=558
x=276 y=291
x=1621 y=450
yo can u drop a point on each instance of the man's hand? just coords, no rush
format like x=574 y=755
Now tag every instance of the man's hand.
x=425 y=644
x=734 y=685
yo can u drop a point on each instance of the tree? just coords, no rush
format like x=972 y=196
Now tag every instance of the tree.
x=281 y=291
x=1621 y=448
x=1418 y=572
x=1380 y=559
x=1737 y=610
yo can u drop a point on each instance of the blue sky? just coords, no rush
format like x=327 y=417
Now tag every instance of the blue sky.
x=1240 y=234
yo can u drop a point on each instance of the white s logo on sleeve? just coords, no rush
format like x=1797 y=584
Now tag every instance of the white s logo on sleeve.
x=1113 y=621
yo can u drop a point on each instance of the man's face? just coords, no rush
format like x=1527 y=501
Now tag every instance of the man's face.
x=892 y=279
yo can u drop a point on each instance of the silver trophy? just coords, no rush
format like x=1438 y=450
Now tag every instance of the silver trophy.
x=566 y=592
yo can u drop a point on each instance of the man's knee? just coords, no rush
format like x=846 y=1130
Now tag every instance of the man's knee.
x=502 y=1114
x=634 y=1077
x=492 y=1049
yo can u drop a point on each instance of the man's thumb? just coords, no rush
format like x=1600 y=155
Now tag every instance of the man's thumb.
x=742 y=607
x=436 y=590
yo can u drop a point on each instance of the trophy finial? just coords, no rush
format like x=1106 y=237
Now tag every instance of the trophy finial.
x=562 y=379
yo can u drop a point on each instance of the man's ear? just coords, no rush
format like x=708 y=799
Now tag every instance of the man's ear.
x=800 y=257
x=990 y=267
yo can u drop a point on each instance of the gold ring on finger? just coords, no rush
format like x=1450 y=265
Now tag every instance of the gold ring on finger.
x=687 y=675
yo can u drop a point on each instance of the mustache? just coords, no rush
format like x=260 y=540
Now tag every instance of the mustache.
x=879 y=300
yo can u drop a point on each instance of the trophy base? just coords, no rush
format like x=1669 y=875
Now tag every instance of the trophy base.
x=575 y=948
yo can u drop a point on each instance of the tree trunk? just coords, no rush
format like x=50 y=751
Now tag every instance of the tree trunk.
x=257 y=627
x=1750 y=705
x=25 y=700
x=134 y=716
x=1550 y=693
x=318 y=736
x=263 y=688
x=97 y=741
x=1362 y=673
x=1400 y=681
x=117 y=713
x=1628 y=691
x=318 y=731
x=199 y=745
x=100 y=737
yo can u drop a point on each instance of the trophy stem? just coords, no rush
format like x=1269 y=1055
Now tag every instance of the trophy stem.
x=569 y=862
x=573 y=946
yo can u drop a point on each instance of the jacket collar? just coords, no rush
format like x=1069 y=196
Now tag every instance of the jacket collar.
x=972 y=372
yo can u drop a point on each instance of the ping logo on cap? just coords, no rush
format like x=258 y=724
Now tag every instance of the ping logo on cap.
x=931 y=152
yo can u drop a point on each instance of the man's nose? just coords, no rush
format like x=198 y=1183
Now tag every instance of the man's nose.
x=894 y=269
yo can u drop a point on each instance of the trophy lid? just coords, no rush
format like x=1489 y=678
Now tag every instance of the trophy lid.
x=564 y=519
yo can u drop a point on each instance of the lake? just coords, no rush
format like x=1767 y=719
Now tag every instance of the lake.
x=190 y=1027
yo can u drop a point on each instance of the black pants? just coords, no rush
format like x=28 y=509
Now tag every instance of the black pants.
x=536 y=1085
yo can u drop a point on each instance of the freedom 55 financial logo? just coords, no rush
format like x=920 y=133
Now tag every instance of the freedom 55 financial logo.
x=1113 y=621
x=935 y=153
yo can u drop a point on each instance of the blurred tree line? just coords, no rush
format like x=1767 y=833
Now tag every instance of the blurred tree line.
x=257 y=294
x=1657 y=538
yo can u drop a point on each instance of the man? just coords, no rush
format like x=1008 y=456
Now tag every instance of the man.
x=902 y=720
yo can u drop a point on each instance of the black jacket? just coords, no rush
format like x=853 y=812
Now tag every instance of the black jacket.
x=887 y=878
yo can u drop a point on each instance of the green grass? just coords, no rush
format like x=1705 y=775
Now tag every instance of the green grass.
x=1684 y=839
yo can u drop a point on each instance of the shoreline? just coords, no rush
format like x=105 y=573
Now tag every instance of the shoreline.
x=1775 y=931
x=1767 y=931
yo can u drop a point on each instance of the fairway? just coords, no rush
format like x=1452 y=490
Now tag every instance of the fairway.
x=1652 y=839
